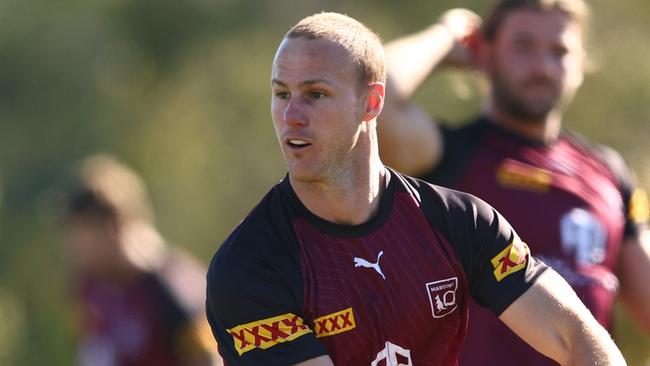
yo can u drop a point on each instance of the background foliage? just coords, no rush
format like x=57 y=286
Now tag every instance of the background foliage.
x=180 y=91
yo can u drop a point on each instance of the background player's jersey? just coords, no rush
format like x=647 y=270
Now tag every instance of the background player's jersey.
x=287 y=286
x=156 y=320
x=570 y=200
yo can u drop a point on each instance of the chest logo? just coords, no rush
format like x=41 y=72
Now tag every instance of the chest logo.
x=360 y=262
x=583 y=236
x=442 y=296
x=393 y=354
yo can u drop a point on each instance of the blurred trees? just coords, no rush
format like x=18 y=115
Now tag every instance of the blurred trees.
x=180 y=90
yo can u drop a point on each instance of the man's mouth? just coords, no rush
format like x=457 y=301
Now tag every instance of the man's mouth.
x=541 y=83
x=297 y=143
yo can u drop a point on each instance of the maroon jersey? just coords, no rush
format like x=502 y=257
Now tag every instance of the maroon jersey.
x=570 y=200
x=287 y=286
x=156 y=320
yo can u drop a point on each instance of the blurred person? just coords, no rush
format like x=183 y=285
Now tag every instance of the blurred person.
x=140 y=302
x=574 y=201
x=347 y=262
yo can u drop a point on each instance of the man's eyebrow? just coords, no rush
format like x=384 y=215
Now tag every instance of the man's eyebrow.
x=523 y=34
x=303 y=83
x=277 y=82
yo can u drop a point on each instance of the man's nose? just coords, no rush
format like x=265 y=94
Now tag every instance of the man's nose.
x=293 y=112
x=547 y=64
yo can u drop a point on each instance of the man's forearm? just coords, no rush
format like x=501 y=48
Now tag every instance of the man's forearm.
x=551 y=318
x=411 y=59
x=594 y=346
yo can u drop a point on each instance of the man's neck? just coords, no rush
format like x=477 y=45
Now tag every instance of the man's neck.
x=348 y=200
x=545 y=130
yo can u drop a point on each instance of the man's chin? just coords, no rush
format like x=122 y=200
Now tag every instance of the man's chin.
x=304 y=175
x=535 y=110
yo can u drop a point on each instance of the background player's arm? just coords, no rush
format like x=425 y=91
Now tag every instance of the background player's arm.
x=634 y=272
x=318 y=361
x=550 y=317
x=196 y=346
x=409 y=140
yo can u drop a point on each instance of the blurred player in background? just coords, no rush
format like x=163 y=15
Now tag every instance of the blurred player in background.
x=140 y=302
x=574 y=201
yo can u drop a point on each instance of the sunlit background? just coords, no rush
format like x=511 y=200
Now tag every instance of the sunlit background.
x=180 y=91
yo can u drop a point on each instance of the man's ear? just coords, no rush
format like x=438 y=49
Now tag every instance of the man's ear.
x=374 y=100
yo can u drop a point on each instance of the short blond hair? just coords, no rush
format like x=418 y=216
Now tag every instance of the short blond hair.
x=107 y=187
x=363 y=44
x=575 y=9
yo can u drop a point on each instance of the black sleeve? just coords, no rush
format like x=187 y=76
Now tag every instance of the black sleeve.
x=497 y=263
x=459 y=145
x=254 y=299
x=634 y=199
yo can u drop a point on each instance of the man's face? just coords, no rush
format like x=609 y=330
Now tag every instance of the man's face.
x=91 y=244
x=535 y=63
x=317 y=108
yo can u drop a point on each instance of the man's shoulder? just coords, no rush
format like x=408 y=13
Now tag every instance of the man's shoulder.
x=471 y=129
x=263 y=239
x=606 y=155
x=261 y=227
x=444 y=203
x=459 y=145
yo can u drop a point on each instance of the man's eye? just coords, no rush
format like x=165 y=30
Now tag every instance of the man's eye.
x=317 y=94
x=282 y=95
x=560 y=51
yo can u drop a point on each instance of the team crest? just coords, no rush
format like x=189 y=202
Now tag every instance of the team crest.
x=442 y=296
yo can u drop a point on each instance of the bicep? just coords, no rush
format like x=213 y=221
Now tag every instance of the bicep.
x=318 y=361
x=409 y=140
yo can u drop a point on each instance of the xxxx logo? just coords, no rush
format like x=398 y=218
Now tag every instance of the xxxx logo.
x=268 y=332
x=512 y=259
x=639 y=211
x=521 y=176
x=336 y=323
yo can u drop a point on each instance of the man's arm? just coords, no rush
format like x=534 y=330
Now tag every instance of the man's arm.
x=196 y=345
x=318 y=361
x=409 y=140
x=634 y=272
x=550 y=317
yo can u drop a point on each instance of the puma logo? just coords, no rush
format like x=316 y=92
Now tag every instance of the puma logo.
x=360 y=262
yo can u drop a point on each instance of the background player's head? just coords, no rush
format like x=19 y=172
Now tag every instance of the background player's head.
x=108 y=220
x=533 y=54
x=328 y=80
